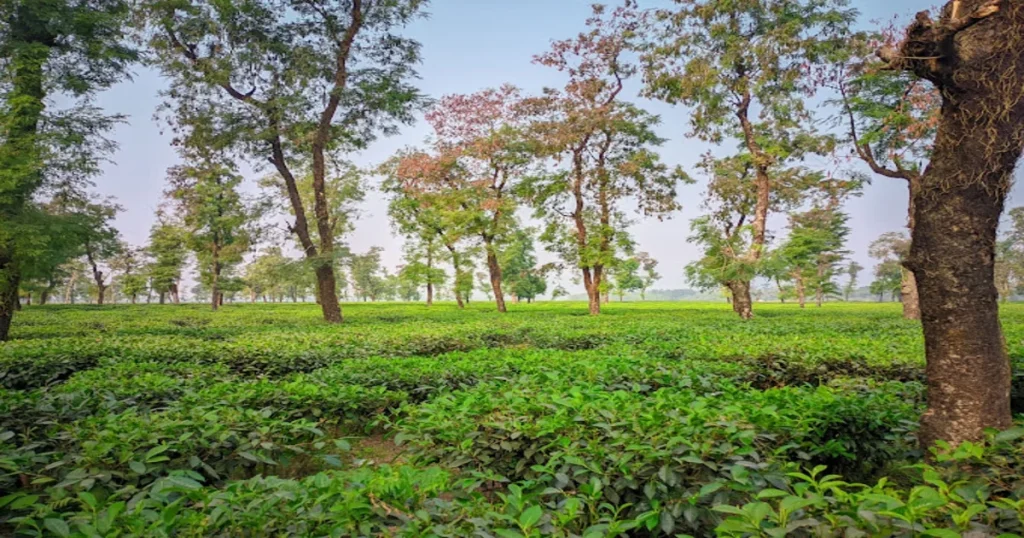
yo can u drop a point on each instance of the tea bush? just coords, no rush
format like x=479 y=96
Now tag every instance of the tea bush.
x=650 y=420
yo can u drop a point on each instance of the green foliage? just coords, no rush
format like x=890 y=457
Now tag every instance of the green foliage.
x=152 y=421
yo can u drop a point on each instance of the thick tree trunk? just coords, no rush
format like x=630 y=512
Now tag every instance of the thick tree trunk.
x=163 y=297
x=977 y=51
x=801 y=293
x=44 y=296
x=101 y=292
x=20 y=155
x=494 y=268
x=327 y=288
x=741 y=302
x=430 y=294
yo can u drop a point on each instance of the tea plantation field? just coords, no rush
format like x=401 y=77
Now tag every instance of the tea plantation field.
x=650 y=420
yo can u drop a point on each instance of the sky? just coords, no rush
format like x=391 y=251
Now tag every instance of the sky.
x=469 y=45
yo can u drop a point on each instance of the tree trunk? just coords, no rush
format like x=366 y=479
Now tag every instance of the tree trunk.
x=163 y=297
x=175 y=295
x=975 y=56
x=430 y=293
x=215 y=275
x=801 y=293
x=100 y=293
x=457 y=267
x=593 y=287
x=741 y=302
x=908 y=294
x=9 y=282
x=495 y=273
x=327 y=289
x=134 y=298
x=44 y=296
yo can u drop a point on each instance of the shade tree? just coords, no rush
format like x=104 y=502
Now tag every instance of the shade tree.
x=601 y=153
x=745 y=69
x=301 y=83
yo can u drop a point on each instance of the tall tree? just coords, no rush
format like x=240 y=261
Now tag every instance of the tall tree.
x=422 y=203
x=974 y=55
x=74 y=47
x=852 y=271
x=626 y=276
x=485 y=136
x=1009 y=267
x=745 y=69
x=168 y=251
x=887 y=279
x=520 y=272
x=890 y=118
x=728 y=231
x=891 y=250
x=649 y=275
x=422 y=258
x=100 y=240
x=129 y=263
x=813 y=250
x=368 y=274
x=270 y=66
x=220 y=226
x=603 y=150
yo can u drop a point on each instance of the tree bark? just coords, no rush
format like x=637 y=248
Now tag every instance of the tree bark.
x=9 y=281
x=975 y=55
x=801 y=293
x=908 y=283
x=494 y=268
x=593 y=287
x=909 y=295
x=20 y=152
x=326 y=289
x=741 y=302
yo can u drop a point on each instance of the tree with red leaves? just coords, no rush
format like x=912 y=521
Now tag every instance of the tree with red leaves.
x=601 y=151
x=485 y=138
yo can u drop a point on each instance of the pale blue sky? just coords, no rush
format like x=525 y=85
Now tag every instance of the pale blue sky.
x=469 y=45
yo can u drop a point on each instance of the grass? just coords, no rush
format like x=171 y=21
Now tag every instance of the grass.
x=652 y=419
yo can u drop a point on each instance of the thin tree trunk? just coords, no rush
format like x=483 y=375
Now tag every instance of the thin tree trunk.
x=457 y=267
x=215 y=276
x=801 y=293
x=494 y=268
x=975 y=55
x=909 y=296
